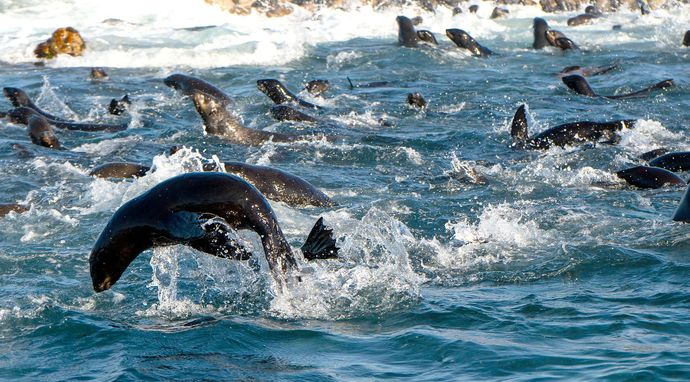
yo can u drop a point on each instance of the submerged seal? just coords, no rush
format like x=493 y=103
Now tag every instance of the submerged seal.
x=674 y=161
x=650 y=177
x=287 y=113
x=198 y=209
x=317 y=87
x=580 y=85
x=566 y=134
x=463 y=40
x=21 y=115
x=119 y=170
x=416 y=99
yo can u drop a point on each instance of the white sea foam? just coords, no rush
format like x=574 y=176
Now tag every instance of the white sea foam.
x=152 y=35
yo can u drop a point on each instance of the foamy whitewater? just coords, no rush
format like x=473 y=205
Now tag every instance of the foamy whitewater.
x=460 y=258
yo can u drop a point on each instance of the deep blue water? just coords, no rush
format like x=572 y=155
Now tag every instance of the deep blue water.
x=550 y=269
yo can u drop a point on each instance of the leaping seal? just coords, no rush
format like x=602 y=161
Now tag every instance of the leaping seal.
x=199 y=209
x=580 y=85
x=566 y=134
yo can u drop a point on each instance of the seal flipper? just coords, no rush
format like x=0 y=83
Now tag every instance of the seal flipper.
x=518 y=128
x=216 y=241
x=682 y=213
x=320 y=243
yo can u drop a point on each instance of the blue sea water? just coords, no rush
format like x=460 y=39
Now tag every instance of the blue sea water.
x=461 y=258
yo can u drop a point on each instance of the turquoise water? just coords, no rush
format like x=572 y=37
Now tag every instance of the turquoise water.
x=550 y=268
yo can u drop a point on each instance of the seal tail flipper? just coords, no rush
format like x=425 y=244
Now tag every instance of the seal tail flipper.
x=579 y=85
x=518 y=128
x=657 y=86
x=351 y=85
x=320 y=243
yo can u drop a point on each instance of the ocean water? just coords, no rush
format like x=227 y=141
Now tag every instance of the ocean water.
x=461 y=258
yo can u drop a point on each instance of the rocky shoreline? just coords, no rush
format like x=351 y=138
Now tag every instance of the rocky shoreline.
x=277 y=8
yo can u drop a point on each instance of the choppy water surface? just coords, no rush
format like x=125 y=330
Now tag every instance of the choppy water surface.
x=552 y=269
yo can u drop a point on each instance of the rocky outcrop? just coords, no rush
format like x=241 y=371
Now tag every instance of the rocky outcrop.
x=284 y=7
x=63 y=41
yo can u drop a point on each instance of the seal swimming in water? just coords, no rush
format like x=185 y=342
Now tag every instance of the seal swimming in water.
x=19 y=98
x=649 y=155
x=540 y=27
x=650 y=177
x=179 y=210
x=580 y=86
x=119 y=170
x=21 y=115
x=407 y=36
x=463 y=40
x=427 y=37
x=287 y=113
x=118 y=107
x=317 y=87
x=565 y=134
x=98 y=74
x=279 y=94
x=559 y=40
x=211 y=104
x=674 y=161
x=416 y=99
x=41 y=133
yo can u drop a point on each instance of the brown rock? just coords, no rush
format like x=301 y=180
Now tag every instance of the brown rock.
x=63 y=41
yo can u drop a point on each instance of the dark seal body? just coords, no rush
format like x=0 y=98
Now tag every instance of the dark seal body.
x=41 y=133
x=287 y=113
x=279 y=94
x=178 y=210
x=19 y=98
x=585 y=18
x=6 y=208
x=579 y=85
x=407 y=36
x=682 y=213
x=540 y=27
x=686 y=39
x=650 y=177
x=119 y=170
x=21 y=115
x=675 y=161
x=463 y=40
x=566 y=134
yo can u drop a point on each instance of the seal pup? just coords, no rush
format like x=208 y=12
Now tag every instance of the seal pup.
x=119 y=170
x=41 y=133
x=580 y=85
x=686 y=39
x=407 y=36
x=287 y=113
x=279 y=94
x=650 y=177
x=21 y=115
x=118 y=107
x=417 y=100
x=6 y=208
x=674 y=161
x=317 y=87
x=463 y=40
x=540 y=27
x=19 y=98
x=178 y=210
x=566 y=134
